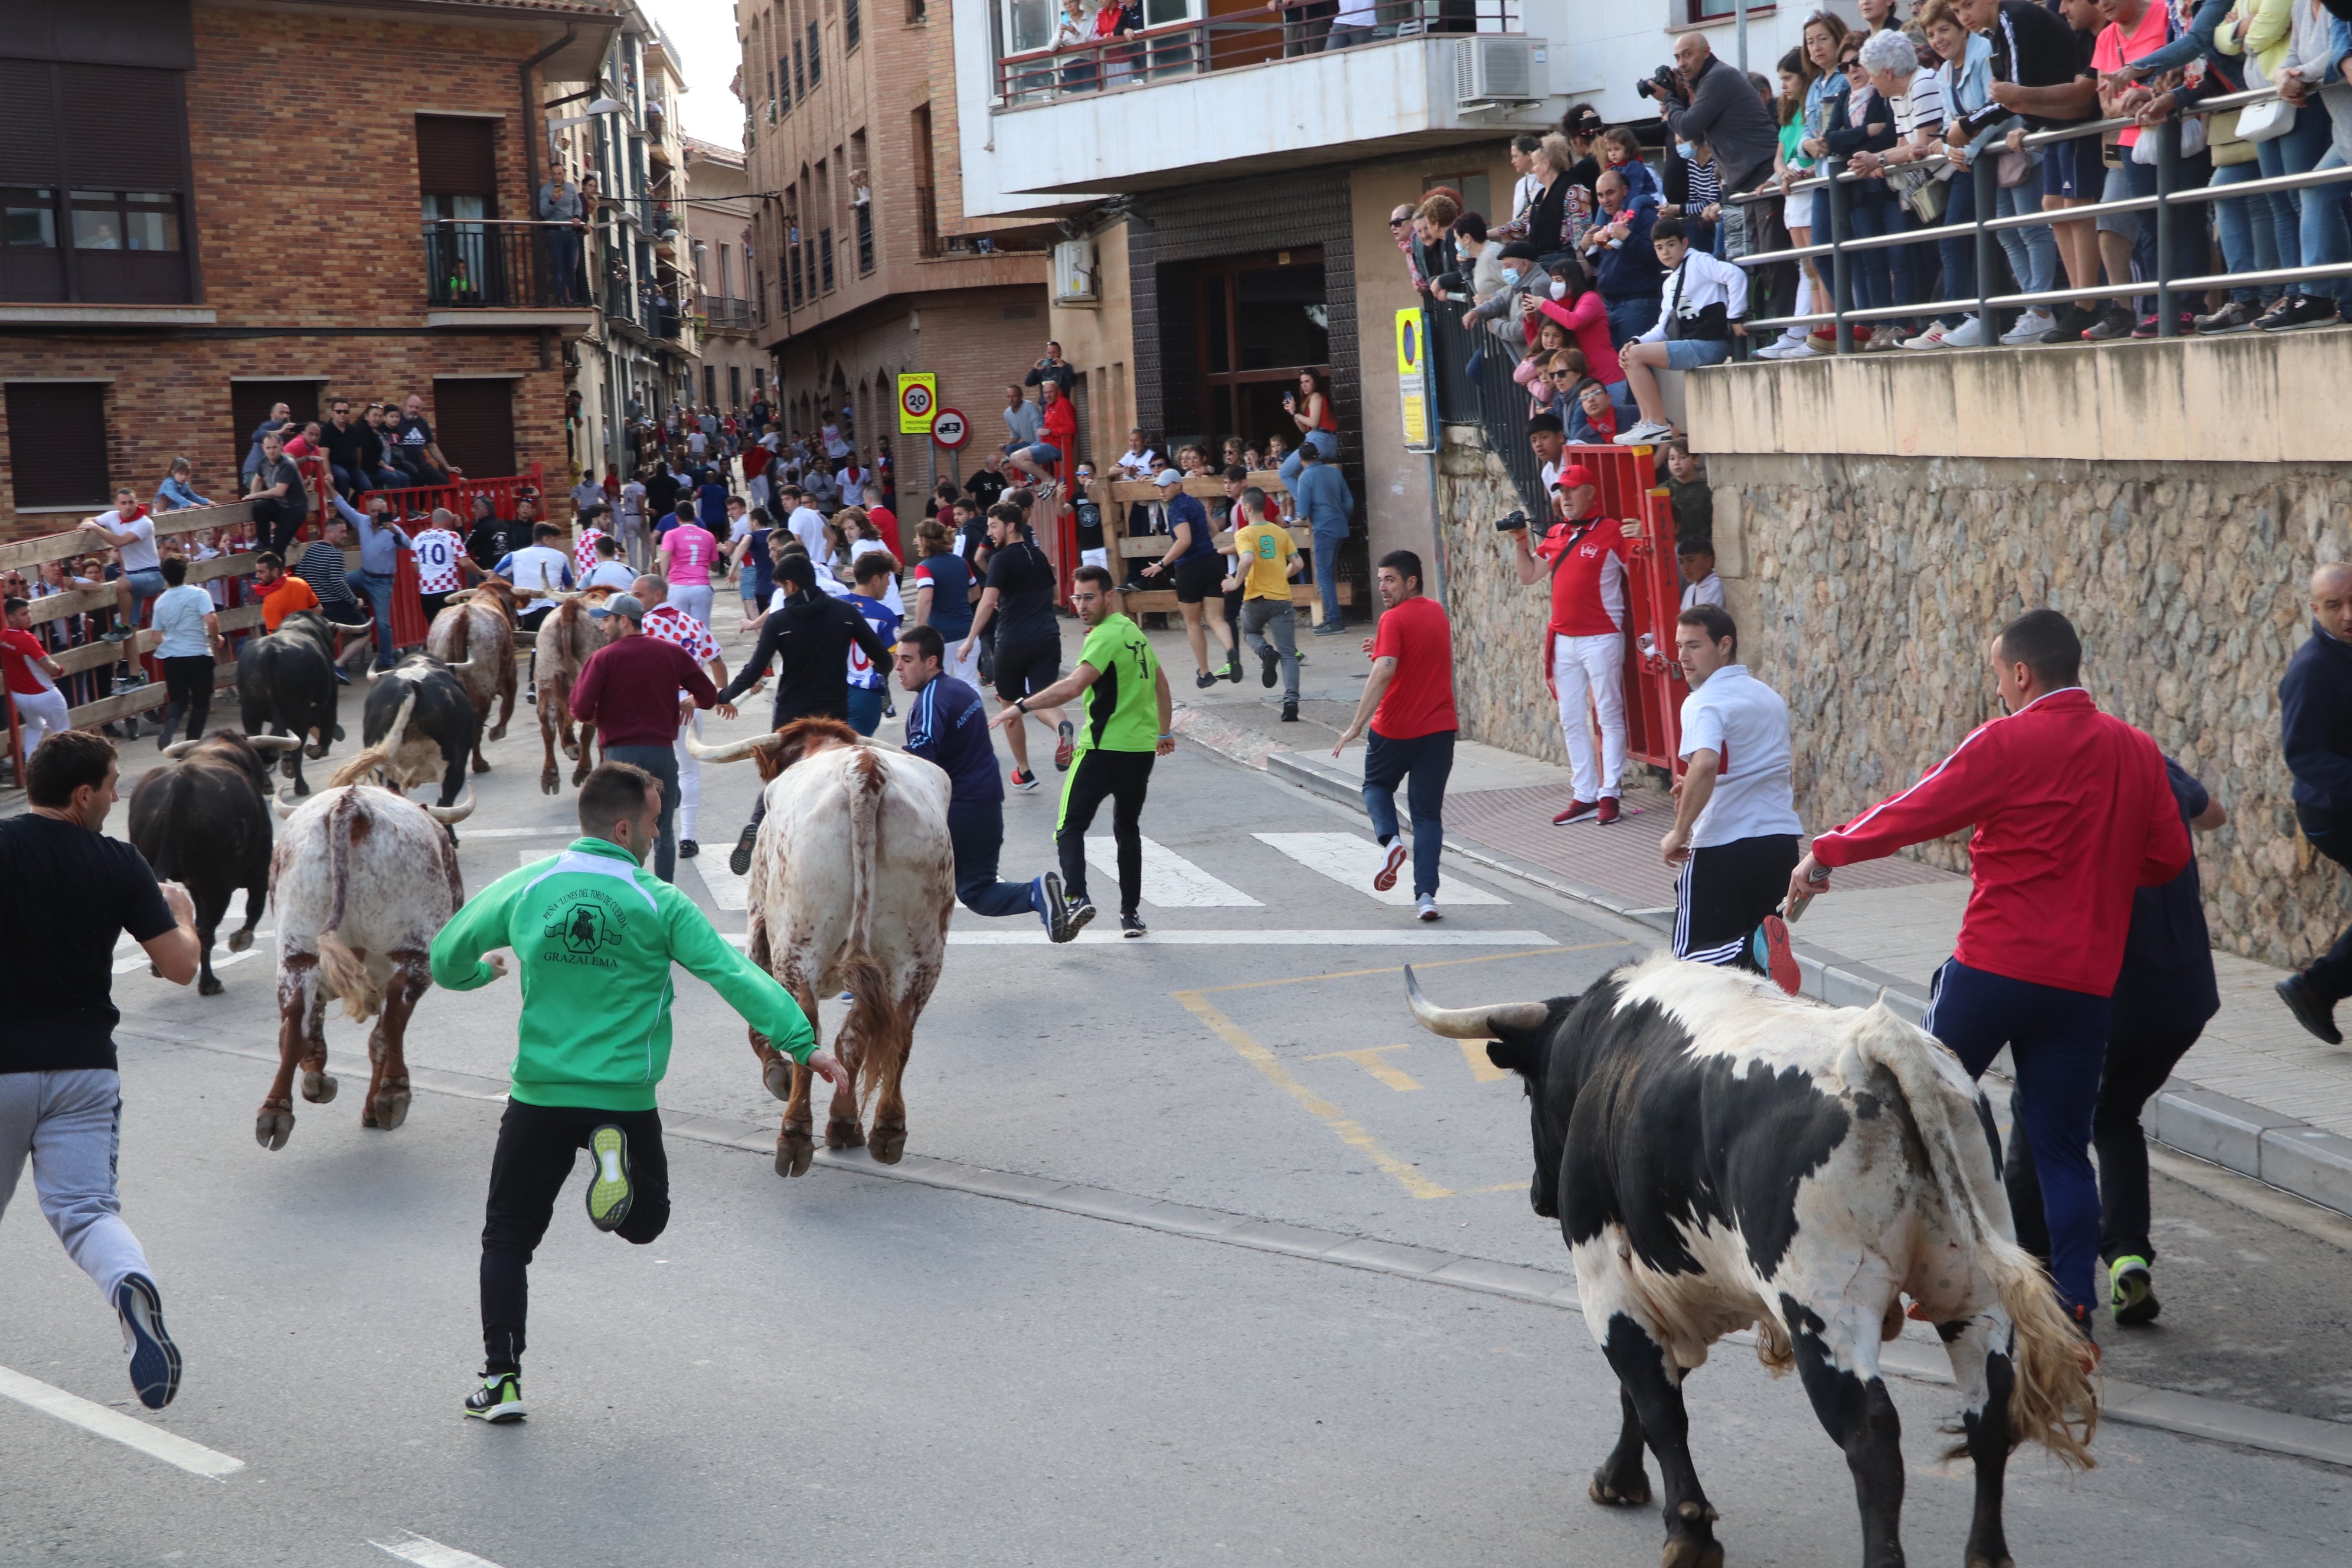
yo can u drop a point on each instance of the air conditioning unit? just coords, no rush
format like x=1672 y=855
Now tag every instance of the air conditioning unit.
x=1073 y=272
x=1494 y=72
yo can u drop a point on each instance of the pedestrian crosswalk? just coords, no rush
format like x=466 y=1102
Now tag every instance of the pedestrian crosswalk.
x=1170 y=881
x=1350 y=859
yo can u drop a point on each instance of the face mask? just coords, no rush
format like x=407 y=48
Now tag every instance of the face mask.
x=1686 y=152
x=1558 y=289
x=1510 y=276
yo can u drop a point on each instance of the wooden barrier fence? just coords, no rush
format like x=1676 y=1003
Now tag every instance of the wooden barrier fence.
x=1119 y=498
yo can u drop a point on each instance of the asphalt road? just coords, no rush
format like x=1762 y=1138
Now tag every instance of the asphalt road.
x=861 y=1370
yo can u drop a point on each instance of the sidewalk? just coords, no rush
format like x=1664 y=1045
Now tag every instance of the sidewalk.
x=2257 y=1095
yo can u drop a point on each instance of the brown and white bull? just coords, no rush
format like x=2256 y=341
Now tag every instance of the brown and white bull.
x=853 y=880
x=1719 y=1156
x=474 y=636
x=362 y=878
x=566 y=637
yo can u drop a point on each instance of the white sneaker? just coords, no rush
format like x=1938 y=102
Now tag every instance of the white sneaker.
x=1968 y=334
x=1802 y=349
x=1426 y=905
x=1933 y=338
x=1773 y=351
x=1649 y=432
x=2029 y=327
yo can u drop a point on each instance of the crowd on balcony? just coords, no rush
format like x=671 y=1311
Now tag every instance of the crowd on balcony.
x=1608 y=269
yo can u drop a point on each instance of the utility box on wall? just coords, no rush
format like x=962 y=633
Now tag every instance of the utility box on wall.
x=1073 y=272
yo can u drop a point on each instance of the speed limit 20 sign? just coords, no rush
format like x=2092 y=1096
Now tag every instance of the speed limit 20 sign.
x=951 y=429
x=919 y=399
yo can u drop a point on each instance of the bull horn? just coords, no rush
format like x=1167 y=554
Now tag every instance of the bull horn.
x=446 y=815
x=284 y=807
x=280 y=743
x=179 y=748
x=733 y=751
x=459 y=669
x=1470 y=1023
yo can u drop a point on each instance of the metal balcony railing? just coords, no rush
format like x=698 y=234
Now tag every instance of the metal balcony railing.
x=1187 y=48
x=721 y=314
x=2173 y=204
x=498 y=263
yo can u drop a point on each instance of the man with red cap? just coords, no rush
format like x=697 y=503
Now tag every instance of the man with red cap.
x=1583 y=554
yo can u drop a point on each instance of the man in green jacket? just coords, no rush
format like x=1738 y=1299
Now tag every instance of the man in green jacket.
x=594 y=935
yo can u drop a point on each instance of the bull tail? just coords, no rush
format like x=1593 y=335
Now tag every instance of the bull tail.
x=346 y=972
x=357 y=770
x=2051 y=1400
x=874 y=1021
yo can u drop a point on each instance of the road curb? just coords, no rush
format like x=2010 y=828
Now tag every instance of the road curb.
x=2183 y=1415
x=2270 y=1146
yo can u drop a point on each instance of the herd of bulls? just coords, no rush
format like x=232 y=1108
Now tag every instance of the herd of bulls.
x=1719 y=1157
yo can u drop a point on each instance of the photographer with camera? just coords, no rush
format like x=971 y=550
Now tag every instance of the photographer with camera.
x=1584 y=639
x=1705 y=101
x=1052 y=368
x=1700 y=306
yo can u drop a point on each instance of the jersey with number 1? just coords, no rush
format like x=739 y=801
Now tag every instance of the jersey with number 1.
x=1123 y=704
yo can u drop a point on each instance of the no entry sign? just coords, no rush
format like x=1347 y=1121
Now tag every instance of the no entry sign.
x=919 y=399
x=951 y=429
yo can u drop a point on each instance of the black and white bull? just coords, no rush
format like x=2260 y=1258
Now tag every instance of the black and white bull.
x=286 y=686
x=422 y=718
x=1719 y=1156
x=201 y=819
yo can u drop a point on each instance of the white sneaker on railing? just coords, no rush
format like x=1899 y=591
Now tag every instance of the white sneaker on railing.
x=1968 y=334
x=1648 y=432
x=1933 y=338
x=2029 y=327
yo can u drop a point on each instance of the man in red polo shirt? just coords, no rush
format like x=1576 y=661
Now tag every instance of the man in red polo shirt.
x=1408 y=708
x=2072 y=811
x=1585 y=640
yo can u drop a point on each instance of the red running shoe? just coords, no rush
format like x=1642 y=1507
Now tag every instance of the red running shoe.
x=1780 y=962
x=1577 y=810
x=1607 y=811
x=1385 y=878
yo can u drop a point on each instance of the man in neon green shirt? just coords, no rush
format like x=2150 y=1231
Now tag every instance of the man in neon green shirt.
x=1128 y=709
x=594 y=935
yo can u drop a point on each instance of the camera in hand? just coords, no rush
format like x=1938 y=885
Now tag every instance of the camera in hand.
x=1515 y=522
x=1660 y=83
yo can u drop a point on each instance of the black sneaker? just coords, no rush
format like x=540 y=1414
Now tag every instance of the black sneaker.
x=738 y=859
x=1290 y=712
x=1131 y=925
x=1060 y=925
x=2072 y=321
x=1081 y=913
x=2309 y=1011
x=2237 y=316
x=2153 y=326
x=1268 y=662
x=1204 y=680
x=498 y=1400
x=2131 y=1292
x=154 y=1359
x=1024 y=782
x=2115 y=321
x=687 y=849
x=2299 y=311
x=611 y=1189
x=1233 y=666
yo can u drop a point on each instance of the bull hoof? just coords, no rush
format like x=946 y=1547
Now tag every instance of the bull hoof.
x=1691 y=1542
x=795 y=1151
x=887 y=1144
x=318 y=1088
x=389 y=1108
x=1625 y=1493
x=498 y=734
x=580 y=774
x=273 y=1126
x=481 y=765
x=338 y=736
x=1979 y=1559
x=239 y=941
x=778 y=1076
x=844 y=1135
x=570 y=750
x=547 y=783
x=210 y=985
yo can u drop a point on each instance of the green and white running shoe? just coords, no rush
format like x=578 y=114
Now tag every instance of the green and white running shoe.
x=609 y=1191
x=2131 y=1291
x=498 y=1400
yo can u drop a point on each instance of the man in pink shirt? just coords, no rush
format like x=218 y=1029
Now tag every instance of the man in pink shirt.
x=687 y=552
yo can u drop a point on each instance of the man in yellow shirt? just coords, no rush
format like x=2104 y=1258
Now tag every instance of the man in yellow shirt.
x=1264 y=561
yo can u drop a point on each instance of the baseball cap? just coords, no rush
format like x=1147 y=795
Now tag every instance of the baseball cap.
x=626 y=605
x=1169 y=476
x=1574 y=474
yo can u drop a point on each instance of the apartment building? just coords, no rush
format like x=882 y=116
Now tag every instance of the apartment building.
x=734 y=368
x=1227 y=179
x=853 y=146
x=208 y=211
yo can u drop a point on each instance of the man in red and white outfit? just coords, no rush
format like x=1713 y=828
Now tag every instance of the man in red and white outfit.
x=1584 y=641
x=665 y=622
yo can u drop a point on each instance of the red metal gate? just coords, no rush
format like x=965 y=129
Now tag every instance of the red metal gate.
x=1655 y=687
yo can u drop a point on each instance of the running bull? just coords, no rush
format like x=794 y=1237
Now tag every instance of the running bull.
x=286 y=686
x=202 y=819
x=420 y=715
x=474 y=637
x=852 y=883
x=1719 y=1156
x=363 y=879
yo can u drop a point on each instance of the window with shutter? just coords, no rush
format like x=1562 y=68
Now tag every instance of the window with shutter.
x=473 y=422
x=94 y=183
x=57 y=443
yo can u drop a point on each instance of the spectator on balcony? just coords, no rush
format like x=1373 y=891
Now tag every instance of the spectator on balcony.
x=1059 y=437
x=346 y=440
x=2043 y=44
x=280 y=500
x=305 y=443
x=1592 y=417
x=1884 y=68
x=461 y=288
x=1714 y=104
x=1135 y=462
x=1534 y=372
x=559 y=208
x=2135 y=31
x=173 y=494
x=1501 y=310
x=1624 y=262
x=1432 y=224
x=1305 y=24
x=1118 y=20
x=1576 y=307
x=414 y=448
x=1702 y=305
x=2311 y=77
x=280 y=416
x=1053 y=368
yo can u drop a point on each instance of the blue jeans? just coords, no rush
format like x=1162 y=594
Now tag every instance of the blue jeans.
x=2033 y=252
x=662 y=762
x=2326 y=239
x=2249 y=235
x=1327 y=442
x=1326 y=572
x=377 y=588
x=1883 y=275
x=1424 y=762
x=2058 y=1040
x=865 y=708
x=1629 y=319
x=2298 y=152
x=976 y=831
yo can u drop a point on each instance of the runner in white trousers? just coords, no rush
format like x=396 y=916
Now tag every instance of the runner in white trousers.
x=1583 y=554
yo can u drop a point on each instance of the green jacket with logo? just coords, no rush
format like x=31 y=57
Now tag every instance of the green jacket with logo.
x=593 y=935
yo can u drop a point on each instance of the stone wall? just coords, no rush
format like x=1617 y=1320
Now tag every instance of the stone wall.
x=1866 y=586
x=1499 y=622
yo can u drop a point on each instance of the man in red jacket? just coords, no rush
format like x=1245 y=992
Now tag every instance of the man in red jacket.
x=1058 y=421
x=2072 y=811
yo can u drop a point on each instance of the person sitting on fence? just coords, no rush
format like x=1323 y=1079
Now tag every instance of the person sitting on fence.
x=1058 y=436
x=131 y=531
x=280 y=498
x=32 y=678
x=173 y=494
x=415 y=448
x=1701 y=307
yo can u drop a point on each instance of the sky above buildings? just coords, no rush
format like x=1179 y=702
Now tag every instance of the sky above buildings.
x=704 y=32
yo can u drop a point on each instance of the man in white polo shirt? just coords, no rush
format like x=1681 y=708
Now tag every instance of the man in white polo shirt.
x=1736 y=834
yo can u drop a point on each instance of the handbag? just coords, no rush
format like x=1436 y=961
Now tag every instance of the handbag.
x=2267 y=121
x=2015 y=168
x=1921 y=191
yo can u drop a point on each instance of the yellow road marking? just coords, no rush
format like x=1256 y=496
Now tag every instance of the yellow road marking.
x=1482 y=1069
x=1399 y=968
x=1350 y=1131
x=1368 y=1059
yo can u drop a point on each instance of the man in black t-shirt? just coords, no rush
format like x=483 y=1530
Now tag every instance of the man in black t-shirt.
x=988 y=486
x=1019 y=600
x=60 y=1093
x=415 y=448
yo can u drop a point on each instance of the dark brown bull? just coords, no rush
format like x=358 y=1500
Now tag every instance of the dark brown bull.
x=202 y=819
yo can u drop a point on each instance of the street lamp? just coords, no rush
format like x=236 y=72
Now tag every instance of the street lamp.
x=607 y=105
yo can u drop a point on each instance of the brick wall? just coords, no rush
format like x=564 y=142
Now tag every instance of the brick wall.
x=966 y=339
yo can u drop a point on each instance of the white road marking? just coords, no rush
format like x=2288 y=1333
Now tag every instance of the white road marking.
x=728 y=890
x=151 y=1441
x=1350 y=859
x=427 y=1553
x=1171 y=882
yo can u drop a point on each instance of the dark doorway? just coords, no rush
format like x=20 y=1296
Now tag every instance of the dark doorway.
x=57 y=442
x=474 y=421
x=249 y=403
x=1261 y=320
